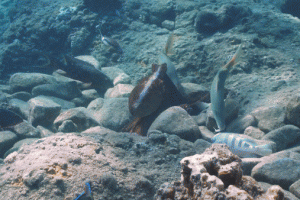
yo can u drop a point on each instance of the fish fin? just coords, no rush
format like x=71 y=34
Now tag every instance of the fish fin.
x=169 y=45
x=235 y=59
x=263 y=150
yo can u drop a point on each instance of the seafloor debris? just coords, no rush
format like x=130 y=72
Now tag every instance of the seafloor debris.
x=215 y=174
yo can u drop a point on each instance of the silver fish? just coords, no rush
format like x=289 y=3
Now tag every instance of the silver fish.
x=242 y=145
x=217 y=92
x=110 y=42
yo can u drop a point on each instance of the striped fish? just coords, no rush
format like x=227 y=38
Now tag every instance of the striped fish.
x=242 y=146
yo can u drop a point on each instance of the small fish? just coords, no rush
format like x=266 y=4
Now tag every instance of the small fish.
x=87 y=192
x=217 y=91
x=8 y=119
x=83 y=71
x=110 y=42
x=148 y=94
x=242 y=146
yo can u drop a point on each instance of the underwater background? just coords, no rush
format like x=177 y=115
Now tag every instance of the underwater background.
x=112 y=99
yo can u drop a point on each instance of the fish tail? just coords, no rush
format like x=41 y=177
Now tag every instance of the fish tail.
x=169 y=45
x=263 y=150
x=235 y=59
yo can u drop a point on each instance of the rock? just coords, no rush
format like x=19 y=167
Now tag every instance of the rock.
x=27 y=81
x=177 y=121
x=170 y=25
x=201 y=118
x=207 y=22
x=205 y=133
x=282 y=171
x=42 y=111
x=18 y=144
x=3 y=97
x=248 y=164
x=90 y=94
x=82 y=101
x=185 y=19
x=269 y=118
x=67 y=90
x=295 y=188
x=293 y=111
x=65 y=105
x=122 y=78
x=96 y=105
x=201 y=145
x=20 y=107
x=7 y=140
x=26 y=130
x=44 y=132
x=67 y=127
x=156 y=137
x=79 y=116
x=254 y=132
x=90 y=59
x=114 y=73
x=24 y=96
x=195 y=91
x=119 y=91
x=240 y=124
x=114 y=113
x=79 y=40
x=284 y=137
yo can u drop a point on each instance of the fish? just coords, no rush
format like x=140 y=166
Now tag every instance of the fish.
x=148 y=94
x=110 y=42
x=171 y=70
x=153 y=95
x=242 y=146
x=83 y=71
x=8 y=119
x=87 y=192
x=217 y=91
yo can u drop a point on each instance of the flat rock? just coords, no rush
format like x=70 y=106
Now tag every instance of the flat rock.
x=119 y=91
x=240 y=124
x=284 y=137
x=90 y=94
x=269 y=118
x=27 y=81
x=295 y=188
x=177 y=121
x=43 y=111
x=114 y=113
x=248 y=164
x=24 y=96
x=79 y=116
x=293 y=110
x=96 y=105
x=122 y=78
x=68 y=126
x=90 y=59
x=20 y=107
x=254 y=132
x=113 y=73
x=7 y=140
x=65 y=105
x=67 y=90
x=26 y=130
x=282 y=171
x=18 y=144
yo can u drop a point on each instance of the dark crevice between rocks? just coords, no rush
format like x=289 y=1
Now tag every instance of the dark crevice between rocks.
x=103 y=5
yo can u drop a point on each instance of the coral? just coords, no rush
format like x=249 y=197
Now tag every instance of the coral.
x=215 y=174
